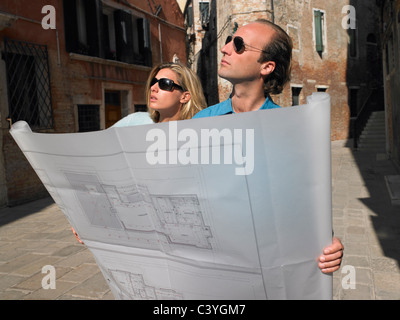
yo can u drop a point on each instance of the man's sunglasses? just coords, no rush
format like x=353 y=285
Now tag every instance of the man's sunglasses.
x=165 y=84
x=239 y=45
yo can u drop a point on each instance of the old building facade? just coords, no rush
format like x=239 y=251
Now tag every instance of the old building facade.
x=390 y=17
x=336 y=49
x=75 y=66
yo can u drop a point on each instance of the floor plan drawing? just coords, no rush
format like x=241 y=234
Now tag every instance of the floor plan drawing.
x=96 y=205
x=133 y=287
x=149 y=274
x=177 y=219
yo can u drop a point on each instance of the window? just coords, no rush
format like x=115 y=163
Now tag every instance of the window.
x=82 y=26
x=141 y=108
x=319 y=28
x=353 y=43
x=204 y=7
x=373 y=59
x=88 y=117
x=109 y=34
x=296 y=96
x=371 y=38
x=81 y=22
x=113 y=107
x=96 y=29
x=389 y=52
x=353 y=102
x=28 y=82
x=189 y=15
x=398 y=27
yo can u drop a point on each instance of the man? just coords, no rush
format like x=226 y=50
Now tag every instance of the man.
x=257 y=62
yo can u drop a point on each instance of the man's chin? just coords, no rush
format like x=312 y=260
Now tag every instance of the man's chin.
x=223 y=74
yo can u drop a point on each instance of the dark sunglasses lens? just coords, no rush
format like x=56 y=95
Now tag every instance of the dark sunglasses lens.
x=165 y=84
x=228 y=39
x=238 y=44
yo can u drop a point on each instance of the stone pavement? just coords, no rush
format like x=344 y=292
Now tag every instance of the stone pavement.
x=367 y=223
x=37 y=234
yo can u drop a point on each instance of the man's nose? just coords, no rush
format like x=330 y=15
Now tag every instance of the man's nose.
x=227 y=48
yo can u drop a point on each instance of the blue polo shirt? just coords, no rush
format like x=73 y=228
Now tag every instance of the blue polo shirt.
x=225 y=107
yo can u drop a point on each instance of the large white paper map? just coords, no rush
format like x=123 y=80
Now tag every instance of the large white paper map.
x=228 y=207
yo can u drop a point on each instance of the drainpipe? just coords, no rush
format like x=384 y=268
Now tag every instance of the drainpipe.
x=160 y=39
x=272 y=12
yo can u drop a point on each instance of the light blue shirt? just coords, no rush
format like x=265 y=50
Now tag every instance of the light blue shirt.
x=134 y=119
x=225 y=107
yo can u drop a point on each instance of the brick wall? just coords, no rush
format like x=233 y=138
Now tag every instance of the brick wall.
x=78 y=79
x=335 y=70
x=23 y=183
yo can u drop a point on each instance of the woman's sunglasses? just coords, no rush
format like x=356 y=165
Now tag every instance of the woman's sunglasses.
x=239 y=45
x=165 y=84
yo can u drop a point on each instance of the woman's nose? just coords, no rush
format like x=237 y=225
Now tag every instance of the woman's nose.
x=154 y=87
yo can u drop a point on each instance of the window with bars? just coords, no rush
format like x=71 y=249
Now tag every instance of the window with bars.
x=88 y=117
x=28 y=82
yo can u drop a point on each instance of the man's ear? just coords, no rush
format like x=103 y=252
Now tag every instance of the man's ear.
x=185 y=97
x=267 y=68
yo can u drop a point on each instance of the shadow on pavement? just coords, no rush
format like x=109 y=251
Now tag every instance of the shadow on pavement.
x=10 y=214
x=384 y=216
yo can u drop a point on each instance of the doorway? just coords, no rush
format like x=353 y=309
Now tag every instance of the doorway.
x=113 y=108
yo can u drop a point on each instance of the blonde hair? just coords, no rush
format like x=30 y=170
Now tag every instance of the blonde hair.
x=189 y=81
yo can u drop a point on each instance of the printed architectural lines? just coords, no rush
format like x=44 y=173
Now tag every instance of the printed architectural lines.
x=176 y=218
x=133 y=286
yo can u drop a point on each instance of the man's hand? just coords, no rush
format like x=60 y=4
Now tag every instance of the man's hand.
x=332 y=257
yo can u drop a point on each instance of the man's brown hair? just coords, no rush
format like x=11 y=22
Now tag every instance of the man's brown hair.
x=279 y=50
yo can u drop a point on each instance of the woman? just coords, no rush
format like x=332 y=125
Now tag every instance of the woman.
x=173 y=92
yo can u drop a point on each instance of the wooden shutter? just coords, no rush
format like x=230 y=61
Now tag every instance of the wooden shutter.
x=70 y=26
x=124 y=36
x=148 y=56
x=353 y=42
x=93 y=26
x=145 y=41
x=318 y=31
x=93 y=23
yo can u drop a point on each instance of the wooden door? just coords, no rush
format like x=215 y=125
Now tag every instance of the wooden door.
x=113 y=108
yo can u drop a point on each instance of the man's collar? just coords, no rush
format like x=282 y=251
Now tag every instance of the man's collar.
x=229 y=109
